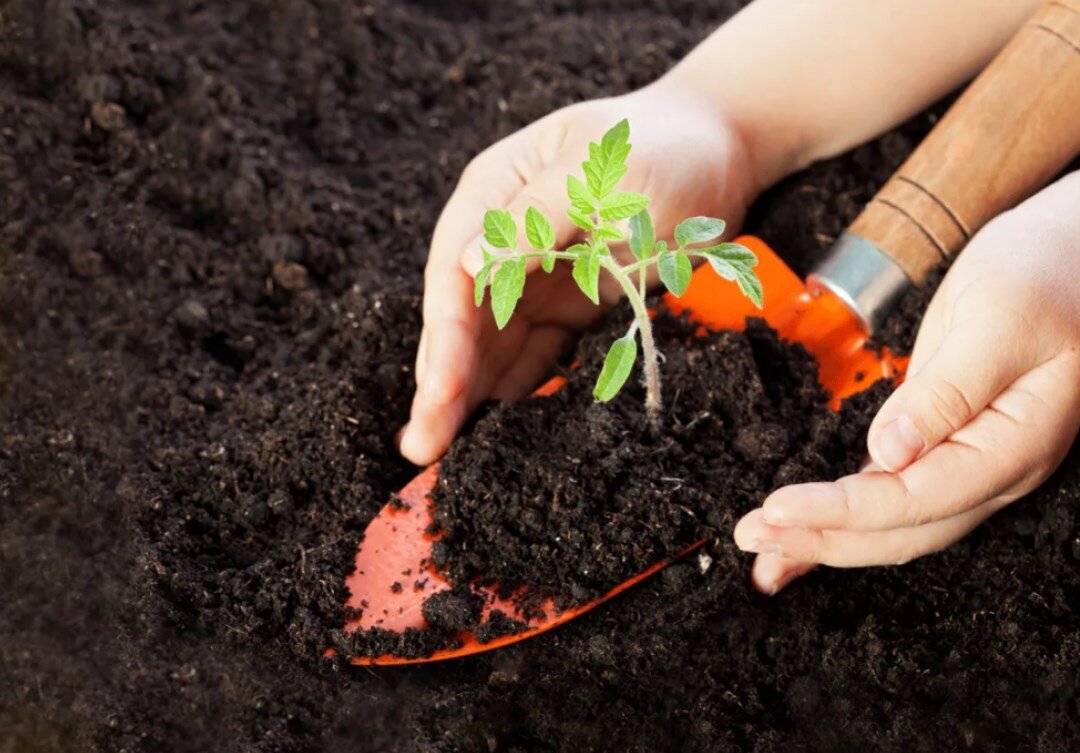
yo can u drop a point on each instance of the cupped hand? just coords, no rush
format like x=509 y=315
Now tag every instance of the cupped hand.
x=989 y=409
x=685 y=156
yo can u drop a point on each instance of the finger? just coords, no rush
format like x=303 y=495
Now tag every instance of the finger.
x=973 y=364
x=430 y=430
x=544 y=192
x=536 y=362
x=436 y=419
x=771 y=573
x=982 y=461
x=859 y=548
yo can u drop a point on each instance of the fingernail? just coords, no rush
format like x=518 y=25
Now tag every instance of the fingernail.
x=798 y=505
x=897 y=445
x=765 y=547
x=781 y=583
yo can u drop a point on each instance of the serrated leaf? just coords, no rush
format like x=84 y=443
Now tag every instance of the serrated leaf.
x=580 y=219
x=538 y=230
x=616 y=136
x=622 y=204
x=579 y=195
x=733 y=252
x=547 y=262
x=698 y=229
x=642 y=234
x=609 y=233
x=586 y=274
x=500 y=230
x=675 y=271
x=604 y=169
x=482 y=280
x=506 y=289
x=750 y=285
x=618 y=364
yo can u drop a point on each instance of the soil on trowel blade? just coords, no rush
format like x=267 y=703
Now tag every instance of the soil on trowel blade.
x=570 y=496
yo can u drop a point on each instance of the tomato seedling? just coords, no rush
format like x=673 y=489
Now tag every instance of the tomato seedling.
x=598 y=209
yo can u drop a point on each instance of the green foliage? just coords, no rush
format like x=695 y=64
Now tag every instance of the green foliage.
x=642 y=234
x=617 y=367
x=596 y=208
x=698 y=229
x=500 y=230
x=506 y=289
x=675 y=271
x=586 y=274
x=538 y=230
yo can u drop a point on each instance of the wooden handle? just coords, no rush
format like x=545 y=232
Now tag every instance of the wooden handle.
x=1014 y=129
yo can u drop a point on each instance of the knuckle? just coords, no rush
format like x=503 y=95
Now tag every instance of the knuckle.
x=948 y=404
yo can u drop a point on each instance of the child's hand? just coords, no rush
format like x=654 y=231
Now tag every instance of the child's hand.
x=990 y=407
x=684 y=156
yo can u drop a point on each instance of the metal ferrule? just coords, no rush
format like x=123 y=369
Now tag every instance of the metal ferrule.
x=862 y=276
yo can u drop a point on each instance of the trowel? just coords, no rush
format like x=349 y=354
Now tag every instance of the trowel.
x=1012 y=131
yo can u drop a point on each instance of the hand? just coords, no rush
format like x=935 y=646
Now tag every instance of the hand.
x=689 y=160
x=990 y=408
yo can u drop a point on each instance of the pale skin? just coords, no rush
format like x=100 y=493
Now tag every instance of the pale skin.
x=783 y=84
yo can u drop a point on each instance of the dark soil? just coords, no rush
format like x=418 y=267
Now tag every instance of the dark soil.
x=213 y=221
x=574 y=512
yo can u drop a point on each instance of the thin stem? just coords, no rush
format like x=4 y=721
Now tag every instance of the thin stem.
x=648 y=346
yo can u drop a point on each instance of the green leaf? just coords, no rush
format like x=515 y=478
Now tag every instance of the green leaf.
x=506 y=289
x=617 y=136
x=642 y=234
x=661 y=247
x=622 y=204
x=675 y=271
x=578 y=248
x=499 y=228
x=586 y=274
x=750 y=285
x=579 y=195
x=698 y=229
x=733 y=252
x=609 y=233
x=547 y=262
x=618 y=364
x=604 y=168
x=580 y=219
x=726 y=269
x=538 y=230
x=482 y=280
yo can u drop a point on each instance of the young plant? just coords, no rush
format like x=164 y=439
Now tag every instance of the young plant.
x=598 y=209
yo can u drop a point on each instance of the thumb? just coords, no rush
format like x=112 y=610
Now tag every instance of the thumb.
x=972 y=366
x=547 y=194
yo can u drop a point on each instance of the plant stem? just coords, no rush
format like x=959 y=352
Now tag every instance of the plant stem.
x=648 y=346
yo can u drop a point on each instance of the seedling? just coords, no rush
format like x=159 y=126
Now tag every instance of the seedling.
x=598 y=209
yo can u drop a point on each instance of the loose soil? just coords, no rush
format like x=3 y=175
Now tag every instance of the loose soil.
x=213 y=222
x=574 y=512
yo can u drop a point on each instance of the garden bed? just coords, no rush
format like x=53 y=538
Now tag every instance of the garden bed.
x=212 y=230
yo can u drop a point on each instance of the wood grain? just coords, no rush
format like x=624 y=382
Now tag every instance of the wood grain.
x=1012 y=131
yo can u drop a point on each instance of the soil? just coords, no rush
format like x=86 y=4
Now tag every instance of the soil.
x=573 y=513
x=213 y=224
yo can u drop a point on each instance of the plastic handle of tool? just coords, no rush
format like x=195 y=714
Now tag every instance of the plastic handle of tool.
x=1014 y=128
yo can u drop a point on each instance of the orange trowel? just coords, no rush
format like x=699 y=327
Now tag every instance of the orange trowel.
x=1015 y=127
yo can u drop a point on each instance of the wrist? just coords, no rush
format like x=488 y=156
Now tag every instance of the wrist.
x=768 y=147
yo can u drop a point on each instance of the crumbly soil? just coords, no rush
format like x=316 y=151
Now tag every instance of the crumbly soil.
x=213 y=222
x=574 y=512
